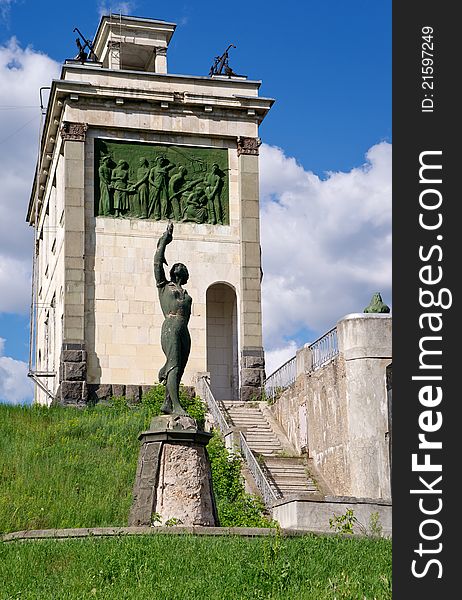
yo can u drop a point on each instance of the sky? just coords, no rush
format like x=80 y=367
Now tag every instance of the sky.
x=325 y=162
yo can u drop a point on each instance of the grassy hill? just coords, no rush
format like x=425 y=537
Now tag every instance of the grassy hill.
x=63 y=467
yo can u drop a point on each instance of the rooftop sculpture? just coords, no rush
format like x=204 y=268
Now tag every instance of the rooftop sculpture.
x=221 y=64
x=82 y=55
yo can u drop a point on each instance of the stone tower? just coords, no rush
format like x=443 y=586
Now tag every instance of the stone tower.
x=127 y=146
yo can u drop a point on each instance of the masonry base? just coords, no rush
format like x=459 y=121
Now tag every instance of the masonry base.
x=314 y=514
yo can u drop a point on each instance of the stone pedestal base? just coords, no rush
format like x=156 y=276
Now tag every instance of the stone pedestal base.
x=72 y=389
x=252 y=374
x=173 y=477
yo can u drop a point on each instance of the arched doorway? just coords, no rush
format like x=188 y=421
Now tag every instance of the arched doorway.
x=222 y=345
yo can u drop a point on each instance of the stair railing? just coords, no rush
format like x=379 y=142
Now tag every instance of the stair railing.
x=218 y=412
x=268 y=493
x=225 y=425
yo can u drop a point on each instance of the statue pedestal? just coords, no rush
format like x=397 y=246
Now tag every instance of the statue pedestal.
x=173 y=478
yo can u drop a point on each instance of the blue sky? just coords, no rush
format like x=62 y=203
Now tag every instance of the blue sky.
x=325 y=163
x=327 y=62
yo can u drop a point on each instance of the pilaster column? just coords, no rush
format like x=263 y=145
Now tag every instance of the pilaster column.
x=73 y=357
x=252 y=357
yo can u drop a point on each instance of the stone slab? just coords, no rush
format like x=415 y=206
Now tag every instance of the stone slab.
x=145 y=486
x=40 y=534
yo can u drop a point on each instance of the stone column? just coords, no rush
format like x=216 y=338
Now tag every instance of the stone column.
x=173 y=477
x=365 y=342
x=72 y=377
x=114 y=54
x=252 y=356
x=160 y=63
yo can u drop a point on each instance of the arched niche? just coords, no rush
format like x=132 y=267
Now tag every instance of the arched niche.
x=222 y=342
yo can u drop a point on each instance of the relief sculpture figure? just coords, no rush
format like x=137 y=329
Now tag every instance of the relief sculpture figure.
x=195 y=208
x=213 y=184
x=142 y=189
x=175 y=339
x=104 y=172
x=175 y=192
x=158 y=188
x=119 y=181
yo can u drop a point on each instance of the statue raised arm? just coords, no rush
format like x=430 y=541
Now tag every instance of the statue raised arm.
x=175 y=339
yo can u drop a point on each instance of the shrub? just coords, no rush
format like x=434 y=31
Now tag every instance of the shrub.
x=236 y=508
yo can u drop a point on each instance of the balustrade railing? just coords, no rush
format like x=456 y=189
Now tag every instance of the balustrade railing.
x=281 y=379
x=324 y=349
x=268 y=493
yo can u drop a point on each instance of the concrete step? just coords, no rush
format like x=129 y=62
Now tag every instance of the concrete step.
x=243 y=411
x=251 y=424
x=264 y=443
x=288 y=474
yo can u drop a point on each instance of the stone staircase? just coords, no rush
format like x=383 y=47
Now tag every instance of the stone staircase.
x=285 y=471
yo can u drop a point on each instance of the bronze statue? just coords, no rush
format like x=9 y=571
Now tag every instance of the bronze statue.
x=376 y=305
x=221 y=64
x=82 y=55
x=175 y=339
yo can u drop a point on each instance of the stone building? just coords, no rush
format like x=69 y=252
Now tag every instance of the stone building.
x=127 y=146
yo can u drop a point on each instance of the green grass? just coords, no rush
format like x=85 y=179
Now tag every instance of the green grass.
x=194 y=568
x=64 y=467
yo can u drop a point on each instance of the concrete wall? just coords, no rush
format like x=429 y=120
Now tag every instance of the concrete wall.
x=345 y=403
x=315 y=515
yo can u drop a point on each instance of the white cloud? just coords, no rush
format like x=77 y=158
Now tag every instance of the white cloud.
x=22 y=72
x=5 y=6
x=326 y=244
x=15 y=386
x=278 y=356
x=105 y=7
